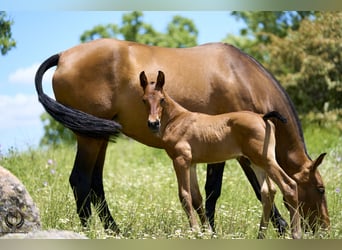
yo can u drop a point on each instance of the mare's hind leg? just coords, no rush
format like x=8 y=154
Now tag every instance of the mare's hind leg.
x=213 y=190
x=81 y=175
x=278 y=222
x=98 y=195
x=197 y=200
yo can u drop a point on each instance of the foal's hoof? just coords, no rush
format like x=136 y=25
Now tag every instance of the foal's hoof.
x=297 y=235
x=196 y=229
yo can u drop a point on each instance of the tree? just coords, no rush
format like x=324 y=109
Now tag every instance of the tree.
x=54 y=132
x=180 y=32
x=277 y=22
x=308 y=62
x=6 y=40
x=261 y=25
x=303 y=51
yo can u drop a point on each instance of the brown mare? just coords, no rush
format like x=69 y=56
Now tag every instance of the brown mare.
x=97 y=88
x=191 y=138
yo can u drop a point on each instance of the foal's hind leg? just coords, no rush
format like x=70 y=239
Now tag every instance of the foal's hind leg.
x=278 y=222
x=288 y=188
x=98 y=195
x=267 y=198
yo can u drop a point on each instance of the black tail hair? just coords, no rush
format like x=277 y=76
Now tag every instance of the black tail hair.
x=76 y=120
x=274 y=114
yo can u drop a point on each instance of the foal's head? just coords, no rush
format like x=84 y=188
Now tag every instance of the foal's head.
x=154 y=99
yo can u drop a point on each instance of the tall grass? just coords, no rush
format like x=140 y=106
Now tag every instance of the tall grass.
x=141 y=190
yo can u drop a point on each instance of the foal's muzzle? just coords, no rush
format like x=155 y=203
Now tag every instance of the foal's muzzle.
x=154 y=125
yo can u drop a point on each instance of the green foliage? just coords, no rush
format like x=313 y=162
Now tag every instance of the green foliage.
x=276 y=22
x=54 y=132
x=302 y=49
x=261 y=25
x=308 y=62
x=6 y=40
x=180 y=32
x=141 y=190
x=327 y=126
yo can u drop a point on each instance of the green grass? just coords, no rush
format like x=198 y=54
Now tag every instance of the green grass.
x=141 y=190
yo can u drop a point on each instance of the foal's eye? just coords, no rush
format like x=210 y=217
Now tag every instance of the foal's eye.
x=162 y=100
x=321 y=190
x=143 y=100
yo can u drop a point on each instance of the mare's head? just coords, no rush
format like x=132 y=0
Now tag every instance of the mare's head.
x=311 y=195
x=153 y=98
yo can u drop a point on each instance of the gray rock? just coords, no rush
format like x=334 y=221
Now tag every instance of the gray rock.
x=18 y=213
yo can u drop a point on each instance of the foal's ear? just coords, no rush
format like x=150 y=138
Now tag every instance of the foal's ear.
x=160 y=80
x=143 y=79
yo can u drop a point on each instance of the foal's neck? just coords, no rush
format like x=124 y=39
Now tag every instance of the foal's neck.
x=172 y=110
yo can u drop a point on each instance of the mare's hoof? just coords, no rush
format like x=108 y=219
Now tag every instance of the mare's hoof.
x=281 y=226
x=112 y=229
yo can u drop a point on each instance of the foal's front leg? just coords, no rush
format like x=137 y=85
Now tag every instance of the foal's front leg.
x=197 y=200
x=182 y=169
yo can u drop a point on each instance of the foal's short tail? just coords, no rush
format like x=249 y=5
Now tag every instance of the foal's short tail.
x=76 y=120
x=274 y=114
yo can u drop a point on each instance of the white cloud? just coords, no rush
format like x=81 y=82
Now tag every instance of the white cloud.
x=26 y=75
x=20 y=111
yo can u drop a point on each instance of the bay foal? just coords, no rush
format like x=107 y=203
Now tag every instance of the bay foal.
x=192 y=138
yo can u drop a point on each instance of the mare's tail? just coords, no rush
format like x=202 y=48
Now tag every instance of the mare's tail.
x=274 y=114
x=76 y=120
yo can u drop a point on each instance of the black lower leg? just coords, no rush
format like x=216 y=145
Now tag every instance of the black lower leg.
x=98 y=196
x=83 y=206
x=213 y=187
x=278 y=222
x=100 y=203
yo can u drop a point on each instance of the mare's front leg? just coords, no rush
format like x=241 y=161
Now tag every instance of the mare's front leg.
x=213 y=187
x=182 y=169
x=81 y=175
x=97 y=191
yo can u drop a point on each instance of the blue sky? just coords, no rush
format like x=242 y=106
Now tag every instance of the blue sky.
x=40 y=34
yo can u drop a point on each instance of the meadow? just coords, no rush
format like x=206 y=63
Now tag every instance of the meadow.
x=141 y=190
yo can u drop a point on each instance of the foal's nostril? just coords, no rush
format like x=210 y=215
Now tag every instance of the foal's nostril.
x=153 y=125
